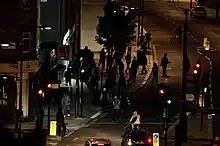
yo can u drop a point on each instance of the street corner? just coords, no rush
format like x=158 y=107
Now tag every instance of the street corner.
x=171 y=128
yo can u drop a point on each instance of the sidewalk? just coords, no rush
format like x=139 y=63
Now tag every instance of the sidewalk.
x=195 y=136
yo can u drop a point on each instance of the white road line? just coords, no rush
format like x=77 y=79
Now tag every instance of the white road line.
x=76 y=138
x=113 y=123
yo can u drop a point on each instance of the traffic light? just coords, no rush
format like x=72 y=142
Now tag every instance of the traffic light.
x=164 y=92
x=82 y=71
x=40 y=92
x=49 y=86
x=197 y=73
x=169 y=101
x=161 y=92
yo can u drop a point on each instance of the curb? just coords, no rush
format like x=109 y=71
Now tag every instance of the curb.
x=91 y=119
x=173 y=125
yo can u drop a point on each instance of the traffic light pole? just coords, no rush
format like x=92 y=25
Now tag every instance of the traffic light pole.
x=79 y=13
x=166 y=125
x=183 y=116
x=139 y=20
x=81 y=100
x=48 y=113
x=142 y=20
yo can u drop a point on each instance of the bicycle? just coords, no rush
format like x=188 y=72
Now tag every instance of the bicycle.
x=174 y=39
x=63 y=134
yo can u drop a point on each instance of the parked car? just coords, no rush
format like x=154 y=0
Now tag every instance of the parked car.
x=198 y=11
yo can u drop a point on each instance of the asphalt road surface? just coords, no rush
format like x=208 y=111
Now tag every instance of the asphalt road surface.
x=150 y=107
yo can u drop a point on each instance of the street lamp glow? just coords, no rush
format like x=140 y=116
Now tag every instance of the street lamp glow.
x=82 y=71
x=132 y=8
x=4 y=45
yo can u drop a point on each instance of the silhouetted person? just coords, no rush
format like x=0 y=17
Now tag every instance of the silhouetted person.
x=155 y=73
x=133 y=70
x=40 y=118
x=102 y=58
x=18 y=118
x=109 y=62
x=164 y=63
x=143 y=62
x=128 y=62
x=60 y=121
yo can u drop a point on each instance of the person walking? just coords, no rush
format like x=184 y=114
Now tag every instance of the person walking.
x=133 y=70
x=116 y=109
x=155 y=74
x=66 y=104
x=18 y=118
x=102 y=58
x=128 y=62
x=60 y=121
x=144 y=62
x=164 y=63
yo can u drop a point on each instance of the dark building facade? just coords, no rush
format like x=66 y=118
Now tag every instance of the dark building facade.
x=61 y=14
x=18 y=29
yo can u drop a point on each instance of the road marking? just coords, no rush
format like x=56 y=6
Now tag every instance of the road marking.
x=114 y=123
x=76 y=138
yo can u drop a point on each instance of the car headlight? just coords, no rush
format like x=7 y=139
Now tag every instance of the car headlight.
x=129 y=143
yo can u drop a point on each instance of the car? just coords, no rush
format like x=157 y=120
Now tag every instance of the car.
x=198 y=11
x=134 y=138
x=98 y=142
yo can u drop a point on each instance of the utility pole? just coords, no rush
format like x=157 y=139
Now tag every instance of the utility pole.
x=142 y=20
x=166 y=124
x=79 y=13
x=81 y=100
x=139 y=20
x=183 y=116
x=216 y=9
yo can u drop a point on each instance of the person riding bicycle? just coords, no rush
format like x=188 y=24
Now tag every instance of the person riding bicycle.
x=60 y=121
x=178 y=33
x=135 y=121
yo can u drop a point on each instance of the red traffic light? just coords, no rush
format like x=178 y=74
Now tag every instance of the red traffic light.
x=149 y=140
x=161 y=91
x=49 y=86
x=198 y=65
x=40 y=92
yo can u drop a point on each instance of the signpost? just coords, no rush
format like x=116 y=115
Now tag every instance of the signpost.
x=29 y=66
x=156 y=139
x=190 y=97
x=63 y=52
x=207 y=45
x=204 y=42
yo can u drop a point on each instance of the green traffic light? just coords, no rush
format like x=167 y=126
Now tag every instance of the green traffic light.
x=169 y=101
